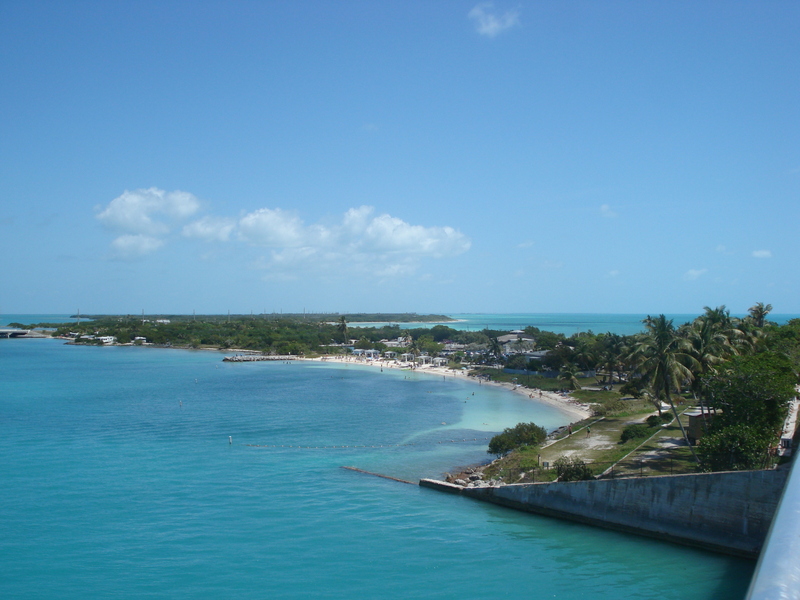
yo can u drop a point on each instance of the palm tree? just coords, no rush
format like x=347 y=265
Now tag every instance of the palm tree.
x=759 y=312
x=708 y=346
x=662 y=358
x=342 y=325
x=585 y=355
x=610 y=360
x=569 y=372
x=741 y=338
x=495 y=348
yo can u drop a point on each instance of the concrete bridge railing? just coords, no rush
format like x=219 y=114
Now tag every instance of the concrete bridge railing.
x=777 y=575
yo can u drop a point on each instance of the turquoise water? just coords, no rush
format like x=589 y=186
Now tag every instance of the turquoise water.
x=566 y=323
x=119 y=482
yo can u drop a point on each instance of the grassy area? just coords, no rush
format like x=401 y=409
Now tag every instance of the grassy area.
x=602 y=396
x=662 y=453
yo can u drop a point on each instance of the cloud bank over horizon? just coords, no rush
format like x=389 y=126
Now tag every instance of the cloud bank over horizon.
x=363 y=240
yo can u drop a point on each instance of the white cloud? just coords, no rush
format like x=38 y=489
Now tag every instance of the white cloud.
x=397 y=269
x=134 y=246
x=357 y=219
x=762 y=254
x=693 y=274
x=361 y=240
x=210 y=229
x=134 y=212
x=144 y=218
x=385 y=233
x=526 y=244
x=606 y=211
x=613 y=273
x=383 y=245
x=272 y=228
x=488 y=23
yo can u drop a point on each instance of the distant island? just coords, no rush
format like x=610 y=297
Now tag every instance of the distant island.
x=350 y=317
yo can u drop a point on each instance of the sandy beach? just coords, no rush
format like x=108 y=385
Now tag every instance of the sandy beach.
x=575 y=409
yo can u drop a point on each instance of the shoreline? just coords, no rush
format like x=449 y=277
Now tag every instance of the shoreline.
x=571 y=407
x=576 y=410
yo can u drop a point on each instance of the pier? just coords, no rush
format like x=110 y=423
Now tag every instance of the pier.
x=258 y=357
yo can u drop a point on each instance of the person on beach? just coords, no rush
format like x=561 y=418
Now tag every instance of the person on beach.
x=588 y=431
x=570 y=428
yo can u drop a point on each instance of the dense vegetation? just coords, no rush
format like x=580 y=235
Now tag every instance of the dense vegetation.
x=522 y=434
x=267 y=333
x=741 y=372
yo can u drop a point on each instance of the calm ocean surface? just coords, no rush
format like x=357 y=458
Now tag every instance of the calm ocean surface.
x=119 y=482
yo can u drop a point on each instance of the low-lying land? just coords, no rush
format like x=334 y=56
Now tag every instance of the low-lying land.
x=741 y=372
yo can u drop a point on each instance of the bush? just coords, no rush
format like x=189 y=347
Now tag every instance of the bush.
x=572 y=469
x=734 y=448
x=522 y=434
x=655 y=420
x=638 y=430
x=658 y=420
x=632 y=388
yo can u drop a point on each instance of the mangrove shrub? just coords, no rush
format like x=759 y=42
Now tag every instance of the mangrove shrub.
x=522 y=434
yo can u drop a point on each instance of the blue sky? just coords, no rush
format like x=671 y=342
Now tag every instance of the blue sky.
x=346 y=156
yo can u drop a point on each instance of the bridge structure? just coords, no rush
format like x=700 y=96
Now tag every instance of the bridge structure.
x=12 y=333
x=777 y=574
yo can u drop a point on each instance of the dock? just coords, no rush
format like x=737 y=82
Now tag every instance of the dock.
x=259 y=357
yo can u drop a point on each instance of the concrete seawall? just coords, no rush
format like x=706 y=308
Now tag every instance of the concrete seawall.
x=725 y=512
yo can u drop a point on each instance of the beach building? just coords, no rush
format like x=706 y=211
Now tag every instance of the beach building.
x=454 y=347
x=698 y=423
x=366 y=353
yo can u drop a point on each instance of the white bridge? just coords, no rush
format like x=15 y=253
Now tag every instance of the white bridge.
x=9 y=333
